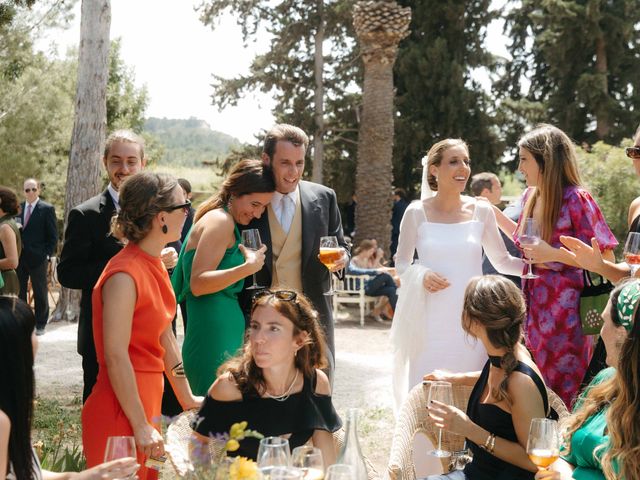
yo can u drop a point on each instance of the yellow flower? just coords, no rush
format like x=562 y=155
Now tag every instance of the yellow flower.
x=232 y=445
x=237 y=430
x=243 y=469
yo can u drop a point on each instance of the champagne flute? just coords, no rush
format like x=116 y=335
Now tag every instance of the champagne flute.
x=120 y=447
x=309 y=460
x=330 y=253
x=530 y=236
x=441 y=392
x=341 y=471
x=632 y=252
x=543 y=442
x=273 y=452
x=251 y=241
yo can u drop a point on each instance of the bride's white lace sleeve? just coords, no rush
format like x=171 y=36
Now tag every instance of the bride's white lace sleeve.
x=407 y=240
x=493 y=243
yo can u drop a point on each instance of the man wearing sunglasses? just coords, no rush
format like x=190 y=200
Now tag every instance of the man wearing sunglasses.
x=299 y=214
x=39 y=241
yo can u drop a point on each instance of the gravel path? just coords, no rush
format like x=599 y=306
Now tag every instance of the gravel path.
x=362 y=380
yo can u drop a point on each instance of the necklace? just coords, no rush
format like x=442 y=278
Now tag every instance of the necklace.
x=285 y=395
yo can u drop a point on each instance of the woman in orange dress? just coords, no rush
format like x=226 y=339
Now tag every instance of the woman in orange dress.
x=133 y=305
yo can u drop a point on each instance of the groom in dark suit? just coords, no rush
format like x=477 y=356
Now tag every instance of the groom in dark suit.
x=299 y=214
x=39 y=241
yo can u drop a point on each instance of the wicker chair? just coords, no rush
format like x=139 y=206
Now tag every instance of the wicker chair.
x=413 y=418
x=178 y=444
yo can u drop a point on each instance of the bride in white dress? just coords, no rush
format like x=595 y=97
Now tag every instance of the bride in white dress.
x=448 y=230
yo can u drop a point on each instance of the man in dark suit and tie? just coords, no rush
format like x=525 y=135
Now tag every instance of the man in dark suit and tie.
x=39 y=240
x=299 y=214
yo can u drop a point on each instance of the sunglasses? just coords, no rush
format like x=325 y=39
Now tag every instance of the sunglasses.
x=185 y=206
x=285 y=295
x=27 y=190
x=632 y=152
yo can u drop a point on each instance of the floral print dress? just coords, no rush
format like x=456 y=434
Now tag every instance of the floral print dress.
x=553 y=332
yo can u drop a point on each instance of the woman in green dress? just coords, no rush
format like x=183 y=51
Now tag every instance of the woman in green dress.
x=10 y=242
x=603 y=433
x=211 y=270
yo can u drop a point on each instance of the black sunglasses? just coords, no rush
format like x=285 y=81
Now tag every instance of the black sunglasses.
x=185 y=206
x=27 y=190
x=632 y=152
x=286 y=295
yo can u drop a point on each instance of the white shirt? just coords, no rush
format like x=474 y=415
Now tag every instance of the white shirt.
x=33 y=205
x=276 y=201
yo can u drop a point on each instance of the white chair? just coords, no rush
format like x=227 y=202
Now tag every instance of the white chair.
x=351 y=291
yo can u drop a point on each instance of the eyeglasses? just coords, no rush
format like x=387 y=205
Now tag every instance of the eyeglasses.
x=27 y=190
x=286 y=295
x=632 y=152
x=185 y=206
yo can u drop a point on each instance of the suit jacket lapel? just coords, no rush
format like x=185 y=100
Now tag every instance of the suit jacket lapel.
x=310 y=219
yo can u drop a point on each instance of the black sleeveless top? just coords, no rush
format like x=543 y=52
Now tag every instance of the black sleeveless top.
x=298 y=415
x=499 y=422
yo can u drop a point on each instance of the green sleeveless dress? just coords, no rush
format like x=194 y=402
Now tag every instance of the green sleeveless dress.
x=215 y=330
x=10 y=278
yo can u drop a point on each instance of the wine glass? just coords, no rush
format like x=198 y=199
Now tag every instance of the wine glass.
x=330 y=253
x=543 y=442
x=530 y=237
x=251 y=241
x=120 y=447
x=309 y=460
x=285 y=473
x=340 y=471
x=632 y=252
x=443 y=393
x=273 y=452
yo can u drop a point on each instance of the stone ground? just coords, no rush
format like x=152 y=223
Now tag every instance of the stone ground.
x=362 y=379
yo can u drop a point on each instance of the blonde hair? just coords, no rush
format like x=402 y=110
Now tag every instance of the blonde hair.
x=555 y=155
x=124 y=136
x=435 y=154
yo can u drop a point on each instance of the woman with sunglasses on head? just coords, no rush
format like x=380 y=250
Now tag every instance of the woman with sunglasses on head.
x=275 y=384
x=18 y=347
x=602 y=440
x=212 y=267
x=133 y=305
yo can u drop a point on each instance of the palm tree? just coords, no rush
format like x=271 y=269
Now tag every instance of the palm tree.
x=380 y=26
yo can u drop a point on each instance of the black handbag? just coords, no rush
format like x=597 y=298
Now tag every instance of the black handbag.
x=593 y=299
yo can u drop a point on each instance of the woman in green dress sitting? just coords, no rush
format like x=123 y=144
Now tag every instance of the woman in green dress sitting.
x=211 y=270
x=603 y=434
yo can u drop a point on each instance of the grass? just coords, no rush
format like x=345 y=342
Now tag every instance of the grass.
x=204 y=180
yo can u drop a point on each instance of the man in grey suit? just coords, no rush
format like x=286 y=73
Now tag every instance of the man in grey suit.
x=299 y=208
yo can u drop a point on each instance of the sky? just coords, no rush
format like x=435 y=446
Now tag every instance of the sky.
x=175 y=55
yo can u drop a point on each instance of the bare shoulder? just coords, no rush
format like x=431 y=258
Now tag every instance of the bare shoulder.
x=225 y=389
x=523 y=391
x=323 y=387
x=634 y=209
x=5 y=423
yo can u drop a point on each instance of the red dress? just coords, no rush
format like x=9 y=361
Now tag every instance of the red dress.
x=553 y=332
x=155 y=306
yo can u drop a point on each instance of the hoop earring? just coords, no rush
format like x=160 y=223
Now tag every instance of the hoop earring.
x=164 y=229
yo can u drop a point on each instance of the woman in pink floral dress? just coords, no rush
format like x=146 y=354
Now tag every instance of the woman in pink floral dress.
x=561 y=207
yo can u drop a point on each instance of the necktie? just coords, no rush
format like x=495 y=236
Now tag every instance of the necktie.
x=27 y=215
x=287 y=209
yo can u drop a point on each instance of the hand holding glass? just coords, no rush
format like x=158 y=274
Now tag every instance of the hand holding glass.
x=441 y=392
x=632 y=252
x=251 y=241
x=543 y=442
x=309 y=460
x=530 y=237
x=330 y=254
x=120 y=447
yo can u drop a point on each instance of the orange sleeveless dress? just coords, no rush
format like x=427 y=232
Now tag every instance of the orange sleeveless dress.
x=155 y=307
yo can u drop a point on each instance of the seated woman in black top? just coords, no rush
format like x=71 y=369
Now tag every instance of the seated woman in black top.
x=275 y=384
x=507 y=394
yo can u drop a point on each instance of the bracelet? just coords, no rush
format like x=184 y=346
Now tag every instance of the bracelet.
x=489 y=443
x=178 y=370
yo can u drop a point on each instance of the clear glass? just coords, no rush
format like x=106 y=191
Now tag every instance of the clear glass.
x=309 y=460
x=273 y=452
x=530 y=236
x=340 y=471
x=351 y=454
x=440 y=392
x=632 y=252
x=543 y=444
x=330 y=253
x=120 y=447
x=284 y=473
x=251 y=241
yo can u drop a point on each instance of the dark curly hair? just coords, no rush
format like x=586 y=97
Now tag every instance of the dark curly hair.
x=142 y=197
x=8 y=201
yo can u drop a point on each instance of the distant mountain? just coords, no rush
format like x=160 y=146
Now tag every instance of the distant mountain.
x=189 y=142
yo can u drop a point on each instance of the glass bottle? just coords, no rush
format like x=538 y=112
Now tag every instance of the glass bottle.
x=350 y=453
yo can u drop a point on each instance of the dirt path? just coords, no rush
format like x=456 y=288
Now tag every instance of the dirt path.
x=362 y=380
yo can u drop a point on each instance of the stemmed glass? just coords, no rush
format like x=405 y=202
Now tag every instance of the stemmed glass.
x=632 y=252
x=273 y=452
x=543 y=442
x=530 y=237
x=309 y=460
x=120 y=447
x=251 y=241
x=441 y=392
x=330 y=253
x=340 y=471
